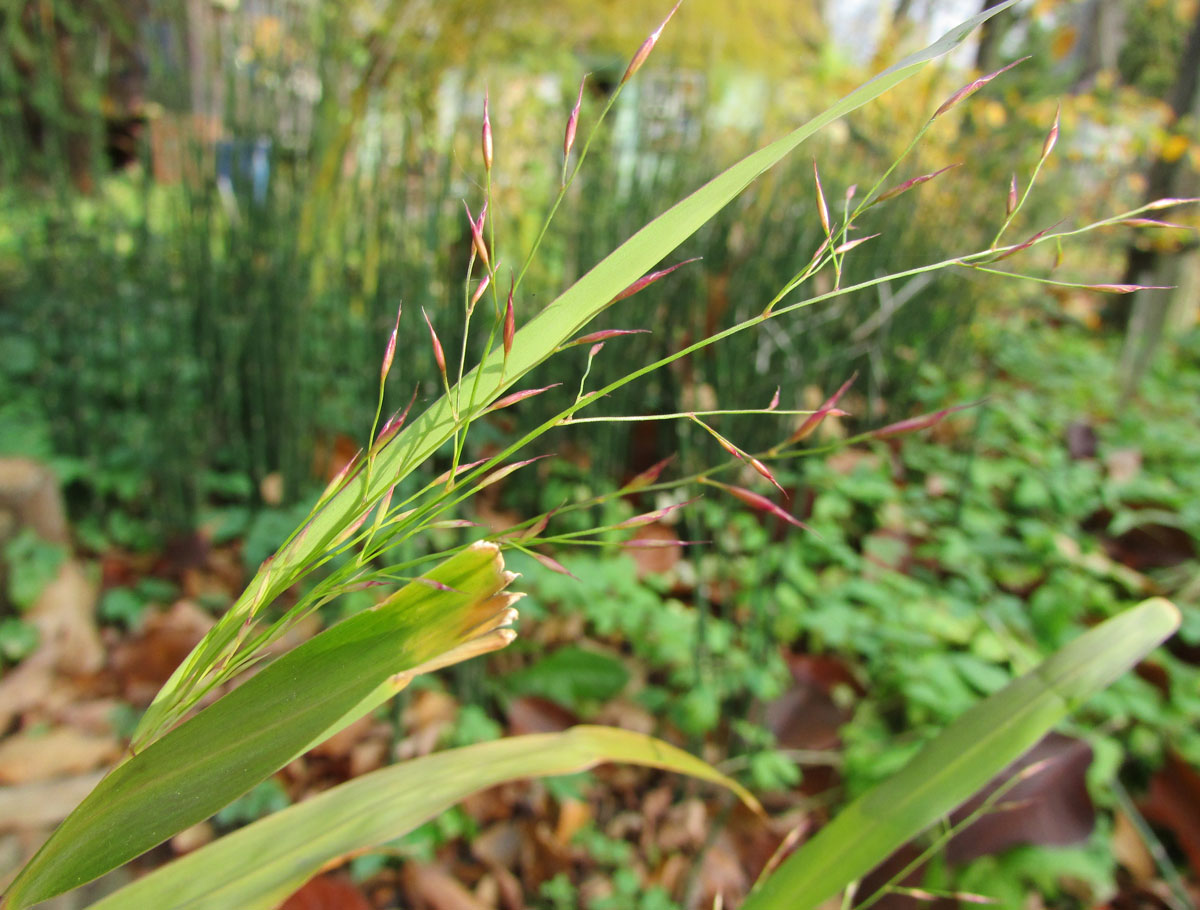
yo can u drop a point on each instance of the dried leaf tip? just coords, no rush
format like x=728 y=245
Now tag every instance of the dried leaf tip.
x=972 y=87
x=647 y=46
x=573 y=122
x=438 y=354
x=390 y=353
x=1052 y=136
x=486 y=137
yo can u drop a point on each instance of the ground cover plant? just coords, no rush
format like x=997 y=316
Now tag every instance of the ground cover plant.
x=461 y=608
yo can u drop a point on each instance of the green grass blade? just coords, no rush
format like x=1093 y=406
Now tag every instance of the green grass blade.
x=250 y=733
x=260 y=865
x=962 y=759
x=584 y=300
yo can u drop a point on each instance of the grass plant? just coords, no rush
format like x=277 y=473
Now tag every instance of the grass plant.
x=454 y=604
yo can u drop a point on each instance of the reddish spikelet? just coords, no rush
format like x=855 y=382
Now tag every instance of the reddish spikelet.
x=461 y=469
x=595 y=349
x=1010 y=205
x=851 y=244
x=604 y=335
x=386 y=502
x=650 y=517
x=573 y=123
x=648 y=476
x=971 y=88
x=814 y=419
x=454 y=523
x=438 y=354
x=477 y=240
x=510 y=320
x=1027 y=244
x=436 y=585
x=519 y=396
x=1167 y=203
x=759 y=502
x=916 y=181
x=352 y=529
x=552 y=564
x=479 y=291
x=722 y=441
x=396 y=421
x=1152 y=223
x=500 y=473
x=850 y=191
x=653 y=543
x=1127 y=288
x=822 y=208
x=1052 y=136
x=390 y=353
x=766 y=472
x=342 y=474
x=536 y=528
x=647 y=280
x=647 y=46
x=774 y=400
x=485 y=141
x=922 y=422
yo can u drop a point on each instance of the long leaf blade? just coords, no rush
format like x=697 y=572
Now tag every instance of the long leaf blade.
x=258 y=866
x=962 y=759
x=250 y=733
x=584 y=300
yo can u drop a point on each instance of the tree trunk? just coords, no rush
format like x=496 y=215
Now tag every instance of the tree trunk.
x=989 y=38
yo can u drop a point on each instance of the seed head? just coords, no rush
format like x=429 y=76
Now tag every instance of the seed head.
x=486 y=139
x=647 y=46
x=573 y=123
